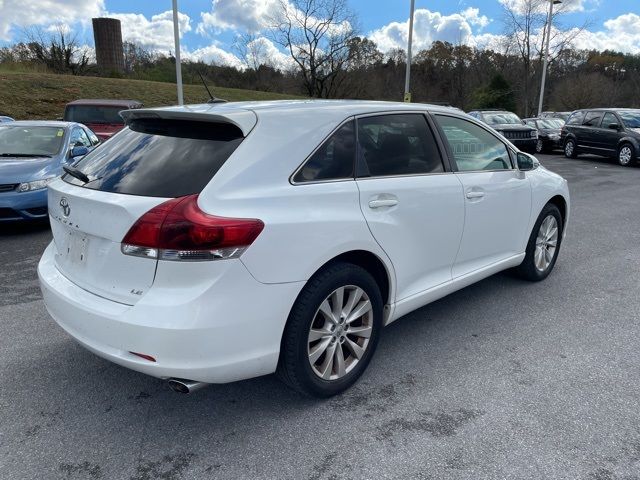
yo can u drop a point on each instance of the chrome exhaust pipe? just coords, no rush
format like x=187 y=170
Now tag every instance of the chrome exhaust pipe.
x=181 y=385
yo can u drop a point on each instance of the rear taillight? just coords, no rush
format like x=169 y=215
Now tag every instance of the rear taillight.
x=178 y=230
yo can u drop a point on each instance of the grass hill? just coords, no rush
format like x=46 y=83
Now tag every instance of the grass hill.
x=29 y=96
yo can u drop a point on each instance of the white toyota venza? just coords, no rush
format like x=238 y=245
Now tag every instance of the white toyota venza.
x=213 y=243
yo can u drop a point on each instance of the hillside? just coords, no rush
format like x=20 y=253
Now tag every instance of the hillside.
x=43 y=96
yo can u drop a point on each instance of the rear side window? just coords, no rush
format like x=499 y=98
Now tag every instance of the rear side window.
x=592 y=119
x=609 y=119
x=575 y=118
x=400 y=144
x=334 y=160
x=160 y=158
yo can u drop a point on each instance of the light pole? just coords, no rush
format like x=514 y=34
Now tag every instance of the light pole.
x=407 y=76
x=546 y=36
x=176 y=38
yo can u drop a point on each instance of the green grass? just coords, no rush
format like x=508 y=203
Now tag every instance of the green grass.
x=27 y=96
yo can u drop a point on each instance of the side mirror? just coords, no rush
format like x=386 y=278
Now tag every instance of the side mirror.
x=614 y=126
x=79 y=151
x=527 y=162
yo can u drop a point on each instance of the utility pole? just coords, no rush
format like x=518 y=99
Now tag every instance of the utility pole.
x=176 y=38
x=546 y=37
x=407 y=77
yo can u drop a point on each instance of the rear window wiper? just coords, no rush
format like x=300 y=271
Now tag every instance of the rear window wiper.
x=74 y=172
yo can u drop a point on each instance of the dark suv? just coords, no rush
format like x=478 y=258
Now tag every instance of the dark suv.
x=608 y=132
x=510 y=126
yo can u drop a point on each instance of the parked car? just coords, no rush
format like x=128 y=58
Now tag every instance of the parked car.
x=559 y=115
x=608 y=132
x=214 y=243
x=32 y=154
x=548 y=133
x=4 y=119
x=101 y=116
x=511 y=126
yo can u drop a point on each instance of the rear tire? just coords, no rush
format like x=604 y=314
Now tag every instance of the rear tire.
x=543 y=246
x=344 y=327
x=626 y=155
x=570 y=148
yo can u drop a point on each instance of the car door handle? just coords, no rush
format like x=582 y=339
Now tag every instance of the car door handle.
x=386 y=202
x=474 y=194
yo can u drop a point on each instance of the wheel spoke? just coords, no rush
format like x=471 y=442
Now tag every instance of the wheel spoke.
x=359 y=311
x=316 y=334
x=318 y=350
x=548 y=256
x=339 y=362
x=552 y=233
x=364 y=332
x=325 y=309
x=354 y=298
x=327 y=365
x=356 y=349
x=337 y=299
x=538 y=257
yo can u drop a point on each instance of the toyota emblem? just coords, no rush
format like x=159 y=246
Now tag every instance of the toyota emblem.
x=64 y=204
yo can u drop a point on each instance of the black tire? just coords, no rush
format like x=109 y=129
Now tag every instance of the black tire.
x=622 y=150
x=540 y=147
x=527 y=269
x=571 y=152
x=294 y=367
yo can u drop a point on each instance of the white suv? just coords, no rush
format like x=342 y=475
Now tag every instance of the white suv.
x=214 y=243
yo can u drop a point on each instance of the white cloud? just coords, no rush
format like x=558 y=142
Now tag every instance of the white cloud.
x=155 y=34
x=472 y=15
x=21 y=14
x=246 y=15
x=621 y=34
x=542 y=6
x=215 y=55
x=266 y=53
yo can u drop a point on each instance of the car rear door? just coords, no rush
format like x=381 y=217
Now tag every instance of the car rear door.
x=412 y=204
x=497 y=197
x=608 y=137
x=589 y=132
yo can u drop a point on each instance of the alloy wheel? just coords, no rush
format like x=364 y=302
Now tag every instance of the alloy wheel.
x=624 y=157
x=539 y=146
x=546 y=243
x=568 y=148
x=340 y=332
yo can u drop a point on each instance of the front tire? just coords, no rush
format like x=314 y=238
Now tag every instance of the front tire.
x=540 y=146
x=626 y=155
x=543 y=246
x=332 y=331
x=570 y=148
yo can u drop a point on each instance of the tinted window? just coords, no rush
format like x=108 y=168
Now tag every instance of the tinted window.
x=575 y=118
x=334 y=159
x=592 y=119
x=30 y=141
x=79 y=138
x=92 y=136
x=93 y=114
x=608 y=119
x=472 y=147
x=631 y=118
x=160 y=158
x=398 y=145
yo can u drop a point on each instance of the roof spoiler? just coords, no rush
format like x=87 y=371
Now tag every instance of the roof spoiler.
x=245 y=120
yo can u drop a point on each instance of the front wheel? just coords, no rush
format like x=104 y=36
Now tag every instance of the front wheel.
x=332 y=331
x=544 y=245
x=626 y=155
x=570 y=150
x=540 y=146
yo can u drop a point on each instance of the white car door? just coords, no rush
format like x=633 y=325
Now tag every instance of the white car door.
x=413 y=206
x=497 y=197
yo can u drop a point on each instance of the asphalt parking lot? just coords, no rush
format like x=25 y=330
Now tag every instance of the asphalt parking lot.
x=503 y=380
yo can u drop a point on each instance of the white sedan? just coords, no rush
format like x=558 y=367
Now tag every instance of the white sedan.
x=214 y=243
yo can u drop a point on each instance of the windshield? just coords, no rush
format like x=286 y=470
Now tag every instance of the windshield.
x=502 y=118
x=20 y=141
x=93 y=114
x=631 y=119
x=550 y=123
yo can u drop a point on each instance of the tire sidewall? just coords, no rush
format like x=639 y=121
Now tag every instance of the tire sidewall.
x=303 y=313
x=633 y=155
x=573 y=151
x=528 y=267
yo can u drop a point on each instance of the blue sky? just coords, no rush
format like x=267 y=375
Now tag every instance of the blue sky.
x=210 y=26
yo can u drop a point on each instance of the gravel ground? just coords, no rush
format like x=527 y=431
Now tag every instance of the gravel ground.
x=502 y=380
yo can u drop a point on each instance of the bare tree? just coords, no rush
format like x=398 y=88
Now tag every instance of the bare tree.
x=59 y=50
x=251 y=51
x=317 y=35
x=524 y=22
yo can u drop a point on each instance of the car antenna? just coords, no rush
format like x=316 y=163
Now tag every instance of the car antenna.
x=212 y=99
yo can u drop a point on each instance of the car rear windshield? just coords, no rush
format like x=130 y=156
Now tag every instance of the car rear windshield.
x=94 y=114
x=159 y=158
x=502 y=118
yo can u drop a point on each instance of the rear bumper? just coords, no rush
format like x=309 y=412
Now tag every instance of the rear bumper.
x=216 y=332
x=23 y=205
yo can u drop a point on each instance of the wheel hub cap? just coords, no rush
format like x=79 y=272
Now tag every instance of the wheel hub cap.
x=625 y=155
x=546 y=243
x=340 y=332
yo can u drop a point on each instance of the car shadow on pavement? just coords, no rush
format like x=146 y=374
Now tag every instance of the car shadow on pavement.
x=23 y=227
